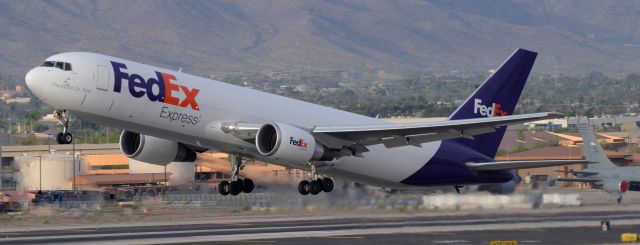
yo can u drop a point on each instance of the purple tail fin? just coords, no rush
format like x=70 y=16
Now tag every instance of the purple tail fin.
x=497 y=96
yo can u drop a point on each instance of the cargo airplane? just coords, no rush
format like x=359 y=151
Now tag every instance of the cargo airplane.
x=169 y=116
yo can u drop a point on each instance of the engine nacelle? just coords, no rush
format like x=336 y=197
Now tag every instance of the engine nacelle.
x=289 y=143
x=154 y=150
x=634 y=186
x=615 y=186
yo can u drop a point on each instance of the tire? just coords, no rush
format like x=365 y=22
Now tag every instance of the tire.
x=67 y=138
x=247 y=185
x=223 y=188
x=316 y=187
x=59 y=138
x=327 y=184
x=235 y=188
x=605 y=225
x=304 y=187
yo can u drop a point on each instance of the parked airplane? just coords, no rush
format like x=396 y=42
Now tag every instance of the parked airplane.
x=169 y=116
x=602 y=173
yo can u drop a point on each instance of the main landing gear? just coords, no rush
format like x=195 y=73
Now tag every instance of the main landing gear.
x=316 y=184
x=236 y=185
x=63 y=137
x=619 y=198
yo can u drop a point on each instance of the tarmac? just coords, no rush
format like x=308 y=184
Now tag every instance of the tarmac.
x=555 y=226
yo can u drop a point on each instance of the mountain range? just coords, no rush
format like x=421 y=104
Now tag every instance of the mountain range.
x=398 y=37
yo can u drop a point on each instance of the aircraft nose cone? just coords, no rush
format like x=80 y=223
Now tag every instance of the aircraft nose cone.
x=32 y=80
x=29 y=78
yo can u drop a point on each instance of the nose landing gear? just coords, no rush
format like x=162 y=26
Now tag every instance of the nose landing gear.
x=316 y=185
x=64 y=137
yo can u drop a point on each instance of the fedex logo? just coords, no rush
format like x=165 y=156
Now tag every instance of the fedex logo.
x=299 y=143
x=492 y=111
x=166 y=89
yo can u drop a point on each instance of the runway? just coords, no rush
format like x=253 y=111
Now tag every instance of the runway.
x=536 y=227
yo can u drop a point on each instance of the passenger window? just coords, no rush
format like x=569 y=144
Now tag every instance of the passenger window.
x=60 y=65
x=67 y=66
x=48 y=63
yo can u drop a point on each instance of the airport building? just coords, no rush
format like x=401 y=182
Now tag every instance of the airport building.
x=99 y=166
x=103 y=166
x=83 y=166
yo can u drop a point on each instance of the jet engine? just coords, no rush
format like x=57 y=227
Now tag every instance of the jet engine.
x=290 y=143
x=615 y=186
x=154 y=150
x=634 y=186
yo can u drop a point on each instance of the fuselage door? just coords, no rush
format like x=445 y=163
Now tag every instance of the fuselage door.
x=102 y=78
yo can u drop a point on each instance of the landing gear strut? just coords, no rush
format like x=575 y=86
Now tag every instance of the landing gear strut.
x=619 y=199
x=236 y=185
x=316 y=184
x=64 y=137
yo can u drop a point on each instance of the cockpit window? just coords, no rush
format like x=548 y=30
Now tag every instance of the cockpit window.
x=57 y=64
x=48 y=63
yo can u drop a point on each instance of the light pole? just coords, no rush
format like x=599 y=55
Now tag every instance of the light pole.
x=73 y=143
x=40 y=167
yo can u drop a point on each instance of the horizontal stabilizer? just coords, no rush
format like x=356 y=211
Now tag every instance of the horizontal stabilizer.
x=508 y=165
x=582 y=180
x=583 y=173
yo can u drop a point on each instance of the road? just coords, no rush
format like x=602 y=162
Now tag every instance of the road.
x=534 y=227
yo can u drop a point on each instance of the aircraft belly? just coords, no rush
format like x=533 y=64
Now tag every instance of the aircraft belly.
x=390 y=164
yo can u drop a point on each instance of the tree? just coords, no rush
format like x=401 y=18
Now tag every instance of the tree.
x=30 y=140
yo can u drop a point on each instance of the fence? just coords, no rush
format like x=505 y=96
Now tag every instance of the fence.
x=213 y=197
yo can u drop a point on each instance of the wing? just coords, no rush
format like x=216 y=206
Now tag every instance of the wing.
x=508 y=165
x=355 y=139
x=395 y=135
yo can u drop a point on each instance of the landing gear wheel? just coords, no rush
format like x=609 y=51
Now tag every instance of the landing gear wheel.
x=315 y=187
x=304 y=187
x=64 y=138
x=327 y=184
x=67 y=138
x=605 y=226
x=247 y=185
x=59 y=138
x=234 y=188
x=237 y=185
x=223 y=188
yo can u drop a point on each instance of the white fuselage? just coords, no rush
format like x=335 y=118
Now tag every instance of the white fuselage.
x=88 y=92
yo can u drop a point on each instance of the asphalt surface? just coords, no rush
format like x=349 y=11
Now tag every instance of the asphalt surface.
x=541 y=228
x=580 y=235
